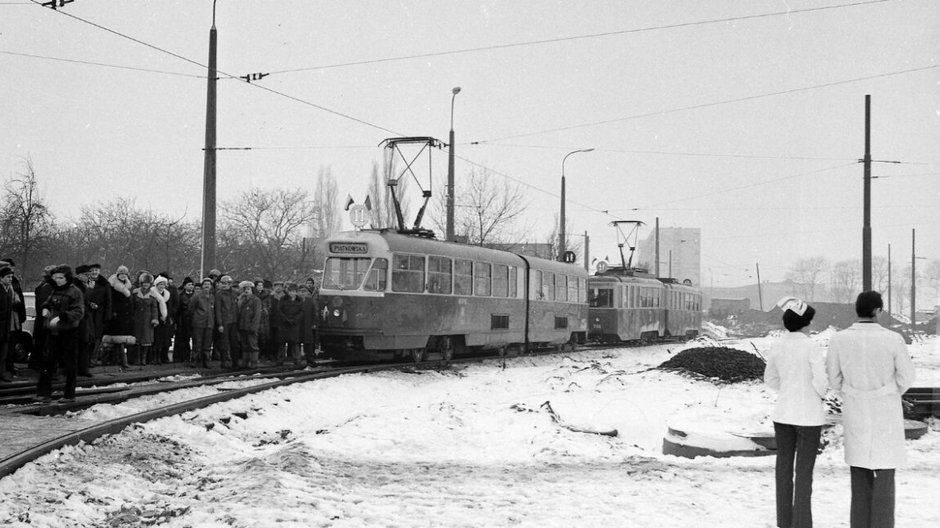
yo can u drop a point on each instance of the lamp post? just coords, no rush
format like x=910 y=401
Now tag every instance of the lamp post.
x=561 y=229
x=450 y=170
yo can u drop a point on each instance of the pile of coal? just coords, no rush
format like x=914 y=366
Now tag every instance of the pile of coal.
x=726 y=364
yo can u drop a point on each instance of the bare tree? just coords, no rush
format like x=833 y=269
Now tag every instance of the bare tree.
x=119 y=233
x=485 y=211
x=845 y=280
x=326 y=205
x=879 y=273
x=263 y=230
x=807 y=274
x=26 y=220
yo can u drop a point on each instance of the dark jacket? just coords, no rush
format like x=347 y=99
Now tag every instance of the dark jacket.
x=184 y=312
x=291 y=314
x=68 y=305
x=98 y=300
x=203 y=309
x=6 y=314
x=122 y=308
x=310 y=318
x=249 y=312
x=225 y=309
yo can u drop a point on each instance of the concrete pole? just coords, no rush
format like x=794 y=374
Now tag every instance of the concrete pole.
x=208 y=173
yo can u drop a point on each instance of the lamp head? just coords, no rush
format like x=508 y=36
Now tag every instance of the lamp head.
x=456 y=90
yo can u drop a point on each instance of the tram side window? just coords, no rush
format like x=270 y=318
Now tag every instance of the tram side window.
x=463 y=277
x=601 y=298
x=561 y=287
x=408 y=273
x=440 y=275
x=582 y=291
x=548 y=286
x=536 y=286
x=482 y=277
x=513 y=281
x=500 y=280
x=378 y=276
x=572 y=289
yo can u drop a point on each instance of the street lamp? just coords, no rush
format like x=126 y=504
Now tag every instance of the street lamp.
x=450 y=171
x=561 y=230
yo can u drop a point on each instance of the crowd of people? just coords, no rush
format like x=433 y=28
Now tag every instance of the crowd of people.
x=84 y=319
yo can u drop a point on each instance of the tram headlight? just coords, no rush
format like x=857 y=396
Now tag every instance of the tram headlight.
x=337 y=312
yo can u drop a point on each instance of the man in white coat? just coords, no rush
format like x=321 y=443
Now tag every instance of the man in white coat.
x=870 y=366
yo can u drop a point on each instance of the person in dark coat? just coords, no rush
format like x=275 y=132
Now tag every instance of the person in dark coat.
x=249 y=322
x=291 y=313
x=162 y=336
x=19 y=306
x=42 y=292
x=62 y=313
x=99 y=301
x=226 y=321
x=172 y=305
x=119 y=331
x=310 y=319
x=146 y=317
x=7 y=321
x=203 y=320
x=182 y=344
x=85 y=329
x=264 y=328
x=276 y=341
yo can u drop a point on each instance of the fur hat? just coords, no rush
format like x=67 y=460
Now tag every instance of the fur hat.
x=82 y=268
x=94 y=266
x=6 y=270
x=160 y=279
x=122 y=269
x=205 y=280
x=145 y=277
x=186 y=280
x=215 y=274
x=242 y=284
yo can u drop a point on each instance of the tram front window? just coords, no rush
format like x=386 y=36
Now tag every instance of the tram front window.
x=345 y=273
x=601 y=298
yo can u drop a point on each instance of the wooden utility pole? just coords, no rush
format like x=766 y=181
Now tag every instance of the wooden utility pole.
x=913 y=281
x=760 y=294
x=889 y=279
x=866 y=228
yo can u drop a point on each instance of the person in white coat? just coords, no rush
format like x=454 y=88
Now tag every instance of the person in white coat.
x=796 y=370
x=870 y=366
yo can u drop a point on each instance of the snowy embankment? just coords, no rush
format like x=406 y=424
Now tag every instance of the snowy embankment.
x=467 y=446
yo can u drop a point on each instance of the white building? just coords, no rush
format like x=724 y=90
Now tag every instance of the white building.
x=680 y=253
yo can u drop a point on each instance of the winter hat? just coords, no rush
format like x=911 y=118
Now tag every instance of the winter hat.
x=94 y=266
x=214 y=273
x=242 y=284
x=6 y=270
x=122 y=269
x=145 y=277
x=10 y=262
x=159 y=280
x=205 y=280
x=186 y=280
x=82 y=268
x=291 y=286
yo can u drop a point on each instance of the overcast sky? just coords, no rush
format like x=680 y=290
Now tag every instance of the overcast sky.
x=742 y=118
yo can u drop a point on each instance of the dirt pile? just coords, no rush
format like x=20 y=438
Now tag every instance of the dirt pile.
x=728 y=365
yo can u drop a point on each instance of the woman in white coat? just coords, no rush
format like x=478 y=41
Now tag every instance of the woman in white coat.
x=870 y=366
x=796 y=370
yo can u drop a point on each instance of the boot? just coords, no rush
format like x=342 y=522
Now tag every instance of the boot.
x=142 y=353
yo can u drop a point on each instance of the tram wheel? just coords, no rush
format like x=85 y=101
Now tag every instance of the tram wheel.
x=417 y=355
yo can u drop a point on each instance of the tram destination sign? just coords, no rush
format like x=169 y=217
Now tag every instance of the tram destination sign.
x=355 y=248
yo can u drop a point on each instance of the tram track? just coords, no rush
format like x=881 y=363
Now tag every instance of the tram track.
x=151 y=384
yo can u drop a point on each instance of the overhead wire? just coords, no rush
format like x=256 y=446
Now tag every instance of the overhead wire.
x=577 y=37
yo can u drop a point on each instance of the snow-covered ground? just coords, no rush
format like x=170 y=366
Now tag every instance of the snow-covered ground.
x=466 y=446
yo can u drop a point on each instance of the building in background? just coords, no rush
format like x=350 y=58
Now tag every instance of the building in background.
x=680 y=246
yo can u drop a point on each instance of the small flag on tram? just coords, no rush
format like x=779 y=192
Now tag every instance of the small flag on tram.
x=368 y=203
x=349 y=202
